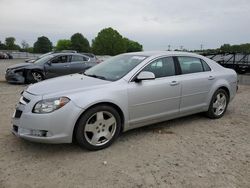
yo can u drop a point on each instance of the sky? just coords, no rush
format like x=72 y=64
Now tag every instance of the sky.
x=155 y=24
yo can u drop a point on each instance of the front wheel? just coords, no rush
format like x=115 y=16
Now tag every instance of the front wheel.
x=98 y=127
x=218 y=104
x=34 y=76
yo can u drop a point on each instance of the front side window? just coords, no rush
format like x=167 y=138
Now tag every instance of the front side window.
x=44 y=59
x=60 y=59
x=116 y=67
x=162 y=67
x=190 y=65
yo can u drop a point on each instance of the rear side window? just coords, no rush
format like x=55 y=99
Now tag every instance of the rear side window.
x=78 y=58
x=190 y=65
x=205 y=66
x=162 y=67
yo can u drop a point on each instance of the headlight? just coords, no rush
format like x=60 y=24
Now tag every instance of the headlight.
x=50 y=105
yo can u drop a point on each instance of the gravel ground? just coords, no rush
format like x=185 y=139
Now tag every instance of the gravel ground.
x=188 y=152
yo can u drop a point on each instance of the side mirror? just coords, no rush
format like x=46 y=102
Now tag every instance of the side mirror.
x=145 y=75
x=49 y=63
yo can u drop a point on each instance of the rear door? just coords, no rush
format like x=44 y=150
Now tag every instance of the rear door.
x=58 y=66
x=196 y=80
x=79 y=63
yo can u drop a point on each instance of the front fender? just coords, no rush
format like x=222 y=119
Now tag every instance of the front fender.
x=115 y=96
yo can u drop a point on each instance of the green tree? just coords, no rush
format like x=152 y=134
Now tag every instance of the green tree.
x=132 y=46
x=25 y=46
x=225 y=48
x=79 y=43
x=30 y=50
x=42 y=45
x=108 y=42
x=10 y=44
x=2 y=46
x=239 y=48
x=63 y=44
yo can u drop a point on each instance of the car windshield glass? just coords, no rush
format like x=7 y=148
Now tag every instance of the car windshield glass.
x=43 y=59
x=116 y=67
x=41 y=56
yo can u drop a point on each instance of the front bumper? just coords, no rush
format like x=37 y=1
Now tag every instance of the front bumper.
x=58 y=126
x=13 y=77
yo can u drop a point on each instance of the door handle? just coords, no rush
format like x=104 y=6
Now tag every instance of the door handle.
x=174 y=83
x=65 y=65
x=210 y=77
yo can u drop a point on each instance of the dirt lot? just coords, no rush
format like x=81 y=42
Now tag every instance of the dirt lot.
x=189 y=152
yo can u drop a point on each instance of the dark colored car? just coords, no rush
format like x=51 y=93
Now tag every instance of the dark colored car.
x=53 y=65
x=5 y=55
x=32 y=60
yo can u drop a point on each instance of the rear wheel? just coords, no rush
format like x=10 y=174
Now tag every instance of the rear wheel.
x=98 y=127
x=218 y=104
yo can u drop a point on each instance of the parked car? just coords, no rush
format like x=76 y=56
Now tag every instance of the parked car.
x=93 y=56
x=10 y=56
x=49 y=66
x=4 y=55
x=124 y=92
x=32 y=60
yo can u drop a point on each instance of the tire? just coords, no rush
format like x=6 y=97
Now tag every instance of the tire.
x=98 y=127
x=34 y=77
x=240 y=70
x=218 y=104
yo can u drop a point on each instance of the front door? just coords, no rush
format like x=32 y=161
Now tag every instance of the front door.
x=58 y=66
x=151 y=99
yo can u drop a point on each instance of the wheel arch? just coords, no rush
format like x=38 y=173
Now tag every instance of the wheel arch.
x=115 y=106
x=28 y=71
x=225 y=89
x=36 y=70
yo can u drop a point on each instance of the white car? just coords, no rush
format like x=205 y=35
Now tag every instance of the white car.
x=124 y=92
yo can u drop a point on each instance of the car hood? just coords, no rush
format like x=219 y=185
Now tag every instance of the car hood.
x=20 y=65
x=66 y=84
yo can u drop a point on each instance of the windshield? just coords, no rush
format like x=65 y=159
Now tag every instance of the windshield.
x=41 y=56
x=43 y=59
x=116 y=67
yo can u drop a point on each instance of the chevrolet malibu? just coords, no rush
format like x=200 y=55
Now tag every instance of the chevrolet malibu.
x=124 y=92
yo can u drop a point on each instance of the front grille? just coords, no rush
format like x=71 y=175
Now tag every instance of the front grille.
x=18 y=113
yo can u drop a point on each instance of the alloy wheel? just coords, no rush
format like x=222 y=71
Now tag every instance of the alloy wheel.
x=219 y=104
x=37 y=76
x=100 y=128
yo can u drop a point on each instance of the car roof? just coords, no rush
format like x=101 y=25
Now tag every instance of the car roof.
x=67 y=53
x=159 y=53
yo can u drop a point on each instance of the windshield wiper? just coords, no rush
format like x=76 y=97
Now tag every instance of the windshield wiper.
x=95 y=76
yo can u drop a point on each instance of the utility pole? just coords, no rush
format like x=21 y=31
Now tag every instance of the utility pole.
x=201 y=47
x=181 y=47
x=169 y=47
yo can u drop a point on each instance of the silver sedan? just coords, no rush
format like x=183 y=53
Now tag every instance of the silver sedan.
x=124 y=92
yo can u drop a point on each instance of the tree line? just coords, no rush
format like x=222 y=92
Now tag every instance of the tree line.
x=107 y=42
x=227 y=48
